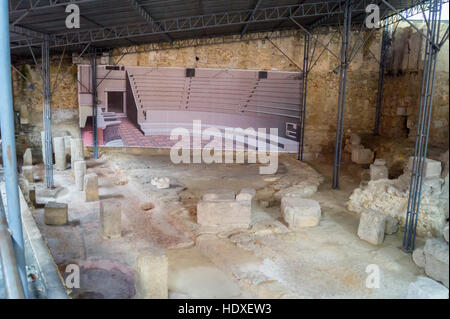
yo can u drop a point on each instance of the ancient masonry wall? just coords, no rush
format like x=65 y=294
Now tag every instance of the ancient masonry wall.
x=259 y=55
x=401 y=96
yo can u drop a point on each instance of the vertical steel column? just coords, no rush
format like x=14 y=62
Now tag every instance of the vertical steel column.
x=385 y=44
x=305 y=72
x=9 y=146
x=94 y=104
x=47 y=113
x=342 y=92
x=426 y=106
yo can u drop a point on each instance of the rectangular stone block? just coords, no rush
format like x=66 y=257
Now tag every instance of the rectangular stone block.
x=378 y=172
x=372 y=226
x=224 y=213
x=28 y=158
x=362 y=156
x=300 y=212
x=219 y=194
x=437 y=260
x=60 y=153
x=76 y=151
x=432 y=168
x=110 y=219
x=151 y=275
x=91 y=187
x=246 y=194
x=80 y=172
x=56 y=214
x=28 y=173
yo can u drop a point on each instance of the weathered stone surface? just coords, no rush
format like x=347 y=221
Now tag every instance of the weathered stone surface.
x=28 y=173
x=161 y=182
x=80 y=172
x=246 y=194
x=446 y=232
x=390 y=196
x=418 y=257
x=219 y=194
x=28 y=158
x=355 y=139
x=56 y=214
x=380 y=162
x=436 y=260
x=110 y=219
x=372 y=226
x=300 y=190
x=378 y=172
x=32 y=196
x=91 y=187
x=300 y=212
x=76 y=151
x=228 y=214
x=67 y=144
x=151 y=275
x=362 y=156
x=426 y=288
x=60 y=153
x=391 y=225
x=432 y=168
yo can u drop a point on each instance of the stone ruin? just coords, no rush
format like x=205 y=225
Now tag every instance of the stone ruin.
x=390 y=197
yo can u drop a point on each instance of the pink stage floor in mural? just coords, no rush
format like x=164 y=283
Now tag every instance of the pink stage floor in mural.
x=133 y=137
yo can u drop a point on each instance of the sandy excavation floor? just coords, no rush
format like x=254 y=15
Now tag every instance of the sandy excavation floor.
x=266 y=261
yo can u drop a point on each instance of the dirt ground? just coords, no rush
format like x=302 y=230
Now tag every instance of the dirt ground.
x=266 y=261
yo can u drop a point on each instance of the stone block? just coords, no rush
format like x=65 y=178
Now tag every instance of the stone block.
x=56 y=214
x=91 y=187
x=161 y=182
x=80 y=172
x=436 y=260
x=28 y=173
x=110 y=219
x=246 y=194
x=362 y=156
x=372 y=226
x=32 y=196
x=355 y=139
x=229 y=214
x=379 y=161
x=60 y=153
x=151 y=275
x=418 y=257
x=426 y=288
x=219 y=194
x=378 y=172
x=432 y=168
x=391 y=225
x=67 y=142
x=300 y=212
x=28 y=158
x=76 y=151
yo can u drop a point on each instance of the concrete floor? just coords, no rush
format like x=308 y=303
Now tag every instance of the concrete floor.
x=266 y=261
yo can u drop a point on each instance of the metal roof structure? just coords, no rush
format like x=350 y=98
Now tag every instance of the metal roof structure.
x=107 y=24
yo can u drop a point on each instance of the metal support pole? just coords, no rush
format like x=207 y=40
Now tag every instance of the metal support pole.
x=94 y=104
x=342 y=92
x=304 y=94
x=426 y=106
x=385 y=44
x=8 y=263
x=47 y=113
x=9 y=146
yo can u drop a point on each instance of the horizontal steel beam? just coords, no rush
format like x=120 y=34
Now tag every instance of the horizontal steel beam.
x=22 y=6
x=194 y=23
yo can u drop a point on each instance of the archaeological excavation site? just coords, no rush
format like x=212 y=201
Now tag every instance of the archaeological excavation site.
x=224 y=149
